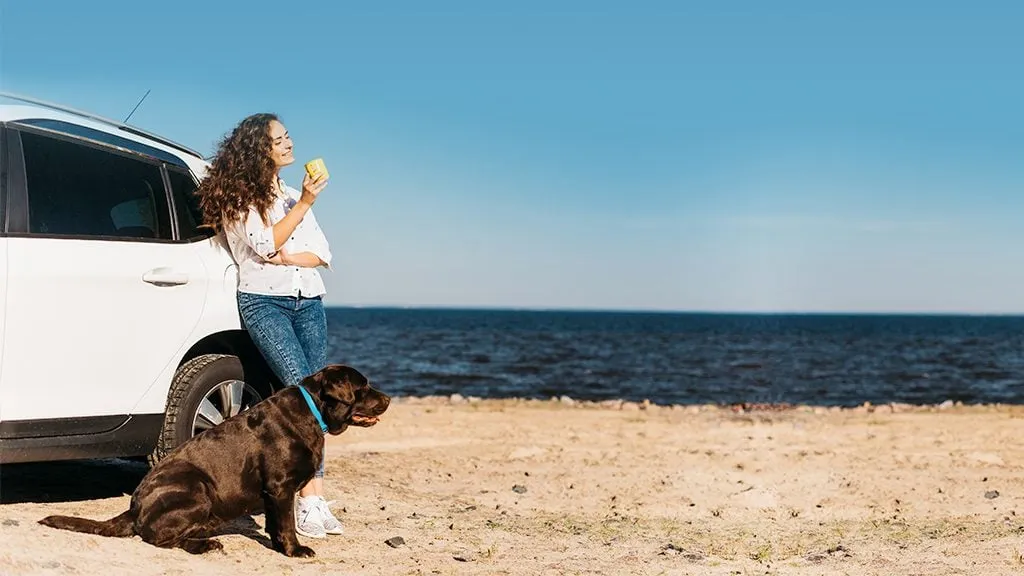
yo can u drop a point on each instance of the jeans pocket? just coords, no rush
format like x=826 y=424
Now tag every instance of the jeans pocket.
x=255 y=308
x=246 y=304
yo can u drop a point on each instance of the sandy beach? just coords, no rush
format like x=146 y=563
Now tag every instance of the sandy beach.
x=465 y=486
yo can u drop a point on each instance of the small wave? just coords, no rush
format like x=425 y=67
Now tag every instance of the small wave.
x=992 y=374
x=457 y=378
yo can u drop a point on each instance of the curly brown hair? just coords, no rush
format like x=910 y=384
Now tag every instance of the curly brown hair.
x=241 y=175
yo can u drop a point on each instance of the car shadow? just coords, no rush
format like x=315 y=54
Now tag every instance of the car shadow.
x=69 y=481
x=84 y=480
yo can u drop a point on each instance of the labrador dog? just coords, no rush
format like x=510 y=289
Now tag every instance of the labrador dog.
x=260 y=456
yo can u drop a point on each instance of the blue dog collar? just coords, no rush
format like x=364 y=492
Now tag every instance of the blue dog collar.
x=312 y=408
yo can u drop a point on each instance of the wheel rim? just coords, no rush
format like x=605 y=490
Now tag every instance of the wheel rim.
x=223 y=401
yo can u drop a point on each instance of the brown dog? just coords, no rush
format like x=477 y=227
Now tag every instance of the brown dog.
x=263 y=455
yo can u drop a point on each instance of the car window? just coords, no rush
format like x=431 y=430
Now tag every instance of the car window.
x=190 y=216
x=80 y=190
x=99 y=136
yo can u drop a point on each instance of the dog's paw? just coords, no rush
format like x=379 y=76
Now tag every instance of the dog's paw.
x=216 y=546
x=300 y=551
x=202 y=546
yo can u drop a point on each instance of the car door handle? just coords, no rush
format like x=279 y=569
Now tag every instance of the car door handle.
x=165 y=276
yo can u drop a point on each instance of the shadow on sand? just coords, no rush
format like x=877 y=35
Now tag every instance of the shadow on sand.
x=69 y=481
x=84 y=480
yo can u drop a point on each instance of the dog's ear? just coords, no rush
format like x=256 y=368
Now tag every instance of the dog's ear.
x=335 y=386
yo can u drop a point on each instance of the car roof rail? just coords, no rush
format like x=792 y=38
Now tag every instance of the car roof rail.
x=119 y=125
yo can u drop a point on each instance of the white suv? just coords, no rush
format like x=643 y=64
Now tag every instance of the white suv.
x=119 y=329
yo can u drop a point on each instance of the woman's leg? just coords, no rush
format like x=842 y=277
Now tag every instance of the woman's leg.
x=311 y=331
x=310 y=324
x=270 y=323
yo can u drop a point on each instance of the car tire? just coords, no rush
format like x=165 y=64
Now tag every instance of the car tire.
x=213 y=378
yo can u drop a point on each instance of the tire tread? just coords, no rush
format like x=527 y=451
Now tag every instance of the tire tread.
x=180 y=387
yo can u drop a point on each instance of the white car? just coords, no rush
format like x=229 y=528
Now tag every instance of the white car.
x=119 y=330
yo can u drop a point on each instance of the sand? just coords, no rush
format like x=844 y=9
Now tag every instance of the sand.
x=559 y=487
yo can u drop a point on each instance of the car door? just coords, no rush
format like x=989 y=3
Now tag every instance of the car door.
x=100 y=294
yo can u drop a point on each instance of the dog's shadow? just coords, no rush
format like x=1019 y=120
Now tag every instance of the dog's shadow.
x=247 y=526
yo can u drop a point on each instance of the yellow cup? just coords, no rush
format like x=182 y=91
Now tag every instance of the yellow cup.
x=316 y=167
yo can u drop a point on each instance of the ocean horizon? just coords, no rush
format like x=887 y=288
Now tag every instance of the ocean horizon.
x=694 y=312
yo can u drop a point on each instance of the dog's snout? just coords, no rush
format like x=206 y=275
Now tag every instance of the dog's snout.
x=381 y=401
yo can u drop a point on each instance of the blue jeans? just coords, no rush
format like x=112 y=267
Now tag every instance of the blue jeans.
x=291 y=333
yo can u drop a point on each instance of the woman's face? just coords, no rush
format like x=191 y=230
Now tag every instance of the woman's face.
x=281 y=145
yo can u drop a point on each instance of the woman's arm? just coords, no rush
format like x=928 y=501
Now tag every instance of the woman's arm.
x=267 y=240
x=283 y=230
x=320 y=246
x=300 y=259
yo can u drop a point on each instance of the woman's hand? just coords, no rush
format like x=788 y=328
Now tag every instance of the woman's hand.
x=311 y=188
x=302 y=259
x=281 y=258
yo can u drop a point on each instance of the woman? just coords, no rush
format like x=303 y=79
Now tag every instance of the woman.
x=274 y=238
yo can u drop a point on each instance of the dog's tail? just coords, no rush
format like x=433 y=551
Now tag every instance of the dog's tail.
x=121 y=526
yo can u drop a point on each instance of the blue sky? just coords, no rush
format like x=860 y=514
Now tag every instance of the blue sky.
x=725 y=156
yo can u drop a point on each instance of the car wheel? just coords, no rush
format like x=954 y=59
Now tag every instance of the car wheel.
x=205 y=391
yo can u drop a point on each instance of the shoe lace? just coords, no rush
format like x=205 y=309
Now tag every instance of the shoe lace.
x=325 y=512
x=305 y=512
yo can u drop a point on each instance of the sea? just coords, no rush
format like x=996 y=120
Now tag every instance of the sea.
x=684 y=358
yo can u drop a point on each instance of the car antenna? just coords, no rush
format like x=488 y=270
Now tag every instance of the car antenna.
x=136 y=107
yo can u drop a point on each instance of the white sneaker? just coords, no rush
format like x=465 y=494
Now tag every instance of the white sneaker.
x=309 y=520
x=331 y=524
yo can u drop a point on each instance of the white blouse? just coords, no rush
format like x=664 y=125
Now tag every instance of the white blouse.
x=252 y=245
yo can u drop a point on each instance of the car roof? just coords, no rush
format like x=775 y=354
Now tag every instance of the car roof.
x=36 y=112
